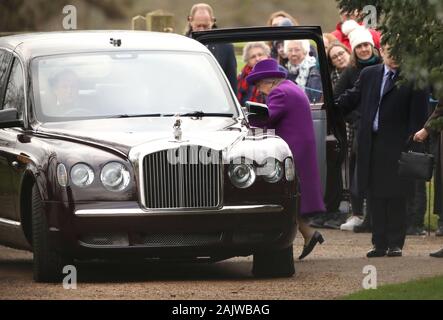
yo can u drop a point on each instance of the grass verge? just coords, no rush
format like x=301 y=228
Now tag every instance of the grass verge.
x=425 y=289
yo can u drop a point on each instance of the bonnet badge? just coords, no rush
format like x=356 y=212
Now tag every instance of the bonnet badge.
x=177 y=130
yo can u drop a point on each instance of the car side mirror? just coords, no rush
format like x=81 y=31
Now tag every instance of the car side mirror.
x=9 y=118
x=257 y=110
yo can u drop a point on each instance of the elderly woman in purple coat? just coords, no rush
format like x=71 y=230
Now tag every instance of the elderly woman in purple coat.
x=290 y=117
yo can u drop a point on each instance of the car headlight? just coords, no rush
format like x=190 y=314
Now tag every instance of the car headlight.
x=272 y=170
x=82 y=175
x=115 y=176
x=289 y=169
x=242 y=175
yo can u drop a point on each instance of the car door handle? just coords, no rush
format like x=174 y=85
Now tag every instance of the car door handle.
x=15 y=164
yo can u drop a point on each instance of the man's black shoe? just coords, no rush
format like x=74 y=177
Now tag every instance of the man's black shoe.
x=415 y=231
x=394 y=252
x=376 y=253
x=336 y=220
x=438 y=254
x=439 y=232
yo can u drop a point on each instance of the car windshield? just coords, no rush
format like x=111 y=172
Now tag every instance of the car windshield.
x=113 y=85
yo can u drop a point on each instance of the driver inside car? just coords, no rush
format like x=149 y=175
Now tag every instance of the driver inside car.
x=65 y=90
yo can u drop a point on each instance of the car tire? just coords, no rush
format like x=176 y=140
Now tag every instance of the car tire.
x=274 y=264
x=48 y=263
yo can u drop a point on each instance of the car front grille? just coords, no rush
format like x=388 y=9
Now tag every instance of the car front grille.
x=176 y=240
x=186 y=177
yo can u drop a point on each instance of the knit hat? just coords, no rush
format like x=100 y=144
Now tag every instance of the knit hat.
x=356 y=33
x=285 y=23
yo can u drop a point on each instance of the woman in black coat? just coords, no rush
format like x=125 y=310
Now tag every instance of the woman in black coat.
x=364 y=54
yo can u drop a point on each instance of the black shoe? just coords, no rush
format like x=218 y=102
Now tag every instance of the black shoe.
x=439 y=232
x=394 y=252
x=438 y=254
x=336 y=220
x=415 y=231
x=319 y=221
x=376 y=253
x=307 y=249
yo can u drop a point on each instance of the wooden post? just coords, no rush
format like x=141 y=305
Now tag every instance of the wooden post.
x=139 y=23
x=160 y=21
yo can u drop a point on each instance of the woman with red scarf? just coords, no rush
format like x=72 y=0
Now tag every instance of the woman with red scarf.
x=253 y=52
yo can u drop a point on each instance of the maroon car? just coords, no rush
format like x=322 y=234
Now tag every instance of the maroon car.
x=133 y=145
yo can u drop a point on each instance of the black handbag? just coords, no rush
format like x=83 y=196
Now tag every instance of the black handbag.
x=416 y=165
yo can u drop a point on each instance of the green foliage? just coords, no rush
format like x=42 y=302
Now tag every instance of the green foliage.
x=437 y=124
x=414 y=30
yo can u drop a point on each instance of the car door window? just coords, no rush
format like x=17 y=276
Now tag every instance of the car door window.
x=15 y=93
x=5 y=58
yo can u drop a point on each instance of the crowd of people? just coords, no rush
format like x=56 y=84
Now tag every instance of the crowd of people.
x=381 y=115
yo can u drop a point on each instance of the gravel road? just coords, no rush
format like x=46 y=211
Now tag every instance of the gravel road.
x=331 y=271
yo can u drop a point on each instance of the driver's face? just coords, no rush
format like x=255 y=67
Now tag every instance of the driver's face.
x=66 y=90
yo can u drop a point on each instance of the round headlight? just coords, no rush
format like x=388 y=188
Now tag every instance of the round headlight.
x=115 y=176
x=82 y=175
x=272 y=171
x=242 y=175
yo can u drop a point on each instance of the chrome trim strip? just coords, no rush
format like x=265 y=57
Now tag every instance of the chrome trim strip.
x=271 y=208
x=10 y=222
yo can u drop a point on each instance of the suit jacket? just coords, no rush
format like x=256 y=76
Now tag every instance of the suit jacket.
x=225 y=55
x=403 y=111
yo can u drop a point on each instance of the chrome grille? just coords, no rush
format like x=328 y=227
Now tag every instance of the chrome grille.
x=178 y=178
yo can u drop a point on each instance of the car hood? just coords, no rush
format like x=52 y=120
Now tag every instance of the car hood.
x=125 y=134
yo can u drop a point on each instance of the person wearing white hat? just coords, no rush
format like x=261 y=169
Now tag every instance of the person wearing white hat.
x=356 y=17
x=363 y=55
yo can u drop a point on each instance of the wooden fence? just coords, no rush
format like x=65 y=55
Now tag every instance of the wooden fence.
x=159 y=20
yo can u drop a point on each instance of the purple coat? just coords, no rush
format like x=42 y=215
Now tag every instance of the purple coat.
x=290 y=116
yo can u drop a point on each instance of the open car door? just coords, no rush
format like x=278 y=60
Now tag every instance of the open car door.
x=329 y=125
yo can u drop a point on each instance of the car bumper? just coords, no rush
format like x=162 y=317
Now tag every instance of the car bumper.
x=124 y=230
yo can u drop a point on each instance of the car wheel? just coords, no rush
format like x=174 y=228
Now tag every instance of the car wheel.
x=279 y=263
x=48 y=263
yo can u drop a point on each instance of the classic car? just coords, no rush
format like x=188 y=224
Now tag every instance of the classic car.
x=123 y=144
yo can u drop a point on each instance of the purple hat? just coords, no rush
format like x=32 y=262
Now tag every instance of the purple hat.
x=267 y=68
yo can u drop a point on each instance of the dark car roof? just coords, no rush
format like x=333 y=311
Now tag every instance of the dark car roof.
x=49 y=43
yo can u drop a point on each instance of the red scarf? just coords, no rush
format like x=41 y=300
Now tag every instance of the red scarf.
x=244 y=91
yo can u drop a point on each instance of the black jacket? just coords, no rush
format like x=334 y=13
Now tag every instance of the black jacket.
x=225 y=55
x=403 y=111
x=347 y=80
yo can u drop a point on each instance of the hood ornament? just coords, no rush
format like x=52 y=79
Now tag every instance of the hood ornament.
x=177 y=130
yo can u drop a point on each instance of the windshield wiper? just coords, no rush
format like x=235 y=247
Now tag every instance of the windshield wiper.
x=200 y=114
x=136 y=115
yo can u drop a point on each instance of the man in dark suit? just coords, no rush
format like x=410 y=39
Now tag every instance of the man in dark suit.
x=202 y=18
x=390 y=114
